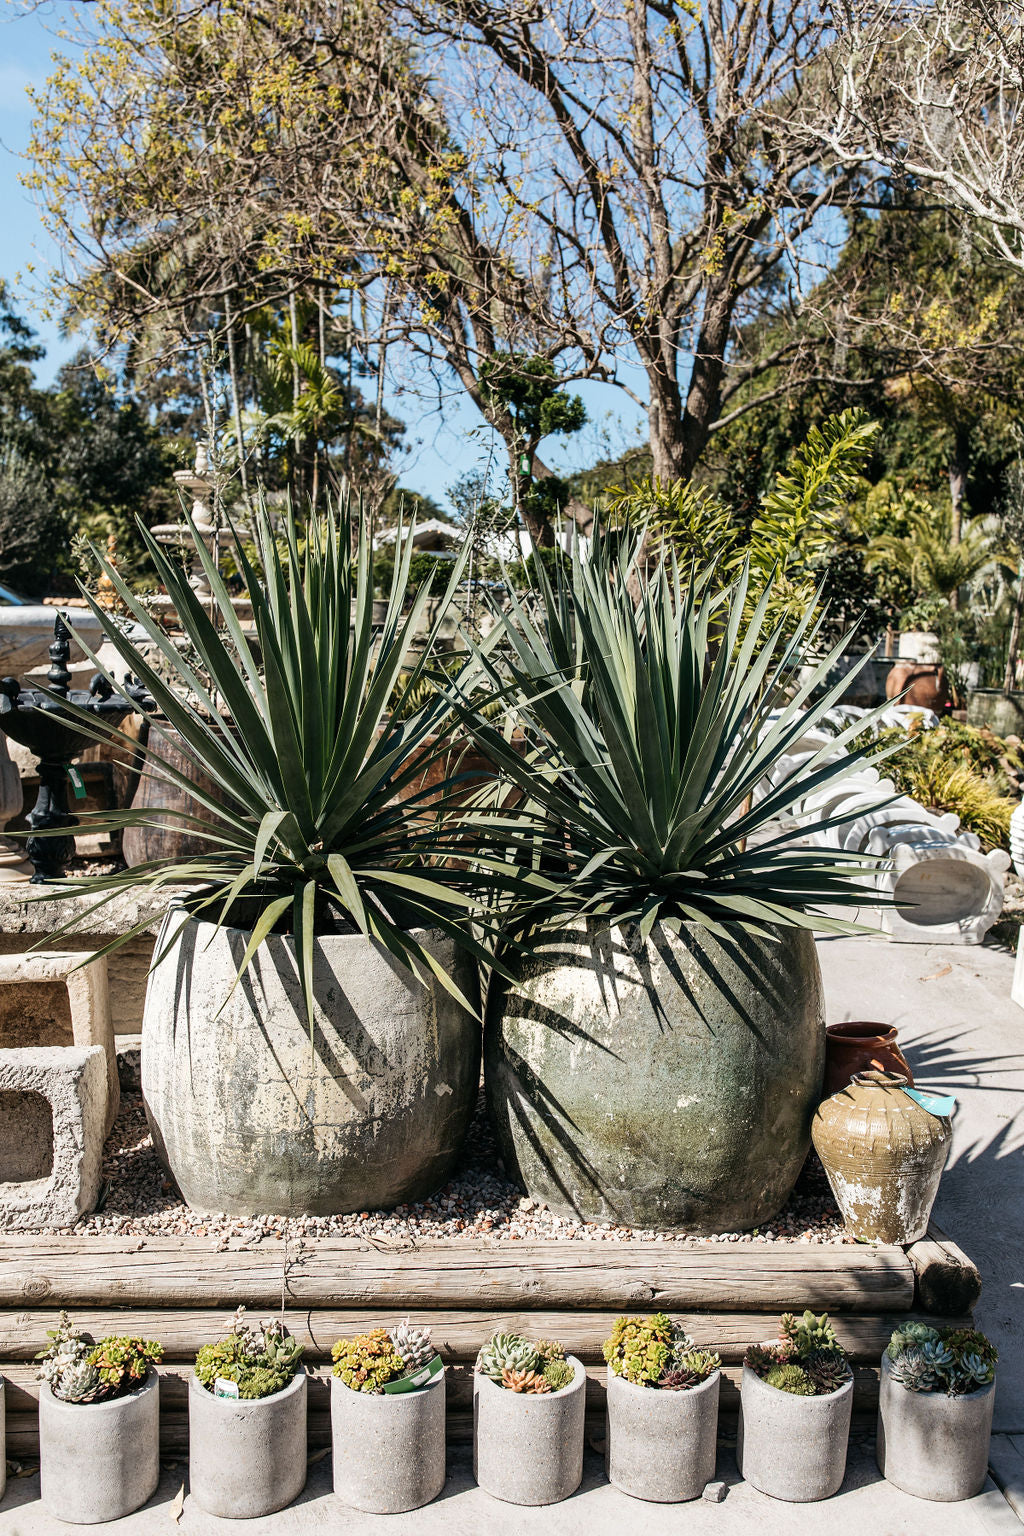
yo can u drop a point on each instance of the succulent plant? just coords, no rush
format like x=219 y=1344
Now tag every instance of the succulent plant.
x=640 y=1348
x=826 y=1369
x=559 y=1374
x=808 y=1333
x=970 y=1373
x=907 y=1335
x=548 y=1350
x=79 y=1382
x=689 y=1367
x=970 y=1341
x=79 y=1371
x=790 y=1378
x=367 y=1362
x=911 y=1370
x=506 y=1351
x=762 y=1358
x=413 y=1344
x=524 y=1381
x=260 y=1358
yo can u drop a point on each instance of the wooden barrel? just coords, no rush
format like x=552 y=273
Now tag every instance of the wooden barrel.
x=157 y=794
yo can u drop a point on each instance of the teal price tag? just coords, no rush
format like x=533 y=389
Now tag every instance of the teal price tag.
x=77 y=783
x=942 y=1104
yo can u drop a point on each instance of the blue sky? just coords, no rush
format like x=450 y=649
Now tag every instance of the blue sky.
x=441 y=443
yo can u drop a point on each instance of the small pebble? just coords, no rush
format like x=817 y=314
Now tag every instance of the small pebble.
x=714 y=1492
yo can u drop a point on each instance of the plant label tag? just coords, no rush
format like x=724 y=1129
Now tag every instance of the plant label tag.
x=941 y=1104
x=223 y=1388
x=420 y=1377
x=77 y=782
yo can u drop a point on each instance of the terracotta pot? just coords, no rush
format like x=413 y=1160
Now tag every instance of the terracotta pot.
x=860 y=1046
x=883 y=1155
x=922 y=684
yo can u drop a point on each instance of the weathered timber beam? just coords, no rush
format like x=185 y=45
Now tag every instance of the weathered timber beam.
x=168 y=1272
x=946 y=1281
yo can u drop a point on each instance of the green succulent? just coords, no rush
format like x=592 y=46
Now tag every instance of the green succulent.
x=790 y=1378
x=910 y=1369
x=507 y=1352
x=808 y=1333
x=970 y=1373
x=950 y=1360
x=970 y=1341
x=640 y=1348
x=558 y=1374
x=79 y=1371
x=260 y=1359
x=413 y=1344
x=826 y=1369
x=688 y=1368
x=122 y=1362
x=262 y=1381
x=548 y=1350
x=907 y=1335
x=368 y=1361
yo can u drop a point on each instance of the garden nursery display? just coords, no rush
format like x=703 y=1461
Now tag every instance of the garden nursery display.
x=796 y=1401
x=99 y=1416
x=388 y=1419
x=247 y=1421
x=662 y=1410
x=528 y=1419
x=935 y=1407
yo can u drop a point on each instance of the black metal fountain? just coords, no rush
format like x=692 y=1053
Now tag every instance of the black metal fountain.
x=40 y=720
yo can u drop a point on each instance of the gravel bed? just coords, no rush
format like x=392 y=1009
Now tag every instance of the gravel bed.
x=138 y=1199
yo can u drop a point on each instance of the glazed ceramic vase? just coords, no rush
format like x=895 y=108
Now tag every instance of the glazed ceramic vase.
x=860 y=1045
x=884 y=1155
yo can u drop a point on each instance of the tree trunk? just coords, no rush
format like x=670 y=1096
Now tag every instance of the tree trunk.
x=1010 y=675
x=235 y=396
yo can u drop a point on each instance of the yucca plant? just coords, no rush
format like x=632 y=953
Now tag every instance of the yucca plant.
x=651 y=724
x=308 y=735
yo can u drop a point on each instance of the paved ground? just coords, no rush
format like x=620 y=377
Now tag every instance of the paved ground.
x=962 y=1035
x=865 y=1507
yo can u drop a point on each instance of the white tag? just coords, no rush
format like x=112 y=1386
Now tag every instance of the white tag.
x=222 y=1388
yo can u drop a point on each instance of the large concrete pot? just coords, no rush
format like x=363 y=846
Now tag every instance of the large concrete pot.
x=99 y=1461
x=388 y=1447
x=527 y=1448
x=246 y=1456
x=931 y=1445
x=250 y=1116
x=662 y=1445
x=790 y=1447
x=670 y=1083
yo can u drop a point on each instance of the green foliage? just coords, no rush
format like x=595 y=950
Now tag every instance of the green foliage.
x=790 y=1378
x=79 y=1371
x=937 y=566
x=636 y=793
x=826 y=1369
x=368 y=1361
x=559 y=1374
x=640 y=1348
x=528 y=387
x=808 y=1333
x=688 y=1368
x=507 y=1352
x=956 y=767
x=301 y=741
x=33 y=533
x=259 y=1358
x=950 y=1360
x=549 y=1350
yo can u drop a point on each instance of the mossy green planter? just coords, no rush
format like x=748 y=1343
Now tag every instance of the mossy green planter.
x=666 y=1084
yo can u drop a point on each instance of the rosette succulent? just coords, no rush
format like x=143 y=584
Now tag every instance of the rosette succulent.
x=950 y=1360
x=77 y=1370
x=413 y=1344
x=519 y=1365
x=367 y=1362
x=261 y=1358
x=806 y=1359
x=657 y=1352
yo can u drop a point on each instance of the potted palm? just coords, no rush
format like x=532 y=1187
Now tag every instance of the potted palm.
x=309 y=1041
x=662 y=1410
x=247 y=1421
x=529 y=1402
x=657 y=1055
x=99 y=1425
x=796 y=1399
x=388 y=1419
x=935 y=1406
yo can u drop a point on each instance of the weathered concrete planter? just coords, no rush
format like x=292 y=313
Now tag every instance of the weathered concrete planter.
x=246 y=1457
x=99 y=1461
x=670 y=1084
x=529 y=1449
x=662 y=1445
x=3 y=1437
x=931 y=1445
x=1002 y=712
x=789 y=1447
x=388 y=1448
x=249 y=1118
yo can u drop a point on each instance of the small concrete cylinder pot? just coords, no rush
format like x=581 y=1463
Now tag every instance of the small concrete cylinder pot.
x=662 y=1445
x=931 y=1445
x=99 y=1461
x=790 y=1447
x=388 y=1447
x=528 y=1448
x=246 y=1456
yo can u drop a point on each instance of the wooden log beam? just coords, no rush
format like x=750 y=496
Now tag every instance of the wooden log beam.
x=458 y=1335
x=189 y=1272
x=946 y=1281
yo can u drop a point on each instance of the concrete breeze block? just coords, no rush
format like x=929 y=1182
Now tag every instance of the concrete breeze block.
x=51 y=998
x=53 y=1102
